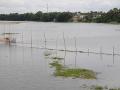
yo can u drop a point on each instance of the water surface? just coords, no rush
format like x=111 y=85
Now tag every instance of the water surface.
x=25 y=68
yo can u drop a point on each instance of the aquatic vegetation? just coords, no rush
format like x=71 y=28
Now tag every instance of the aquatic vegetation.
x=58 y=58
x=77 y=73
x=114 y=89
x=63 y=71
x=57 y=65
x=47 y=53
x=98 y=88
x=102 y=88
x=60 y=70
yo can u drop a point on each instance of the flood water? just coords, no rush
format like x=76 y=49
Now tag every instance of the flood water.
x=26 y=68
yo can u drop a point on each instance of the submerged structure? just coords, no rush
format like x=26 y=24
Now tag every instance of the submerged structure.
x=8 y=37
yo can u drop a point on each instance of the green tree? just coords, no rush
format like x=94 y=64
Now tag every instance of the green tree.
x=64 y=17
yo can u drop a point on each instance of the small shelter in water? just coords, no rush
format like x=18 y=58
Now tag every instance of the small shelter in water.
x=8 y=37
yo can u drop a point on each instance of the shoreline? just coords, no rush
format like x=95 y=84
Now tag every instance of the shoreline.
x=17 y=22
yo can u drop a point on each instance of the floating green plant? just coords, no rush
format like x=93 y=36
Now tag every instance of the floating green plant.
x=57 y=65
x=60 y=70
x=77 y=73
x=99 y=88
x=102 y=88
x=47 y=53
x=114 y=89
x=58 y=58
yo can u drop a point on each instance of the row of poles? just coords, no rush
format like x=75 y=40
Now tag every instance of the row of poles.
x=65 y=46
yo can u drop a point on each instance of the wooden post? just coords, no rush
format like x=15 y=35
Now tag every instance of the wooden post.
x=23 y=54
x=64 y=47
x=88 y=51
x=9 y=35
x=100 y=50
x=75 y=51
x=64 y=41
x=56 y=45
x=22 y=39
x=31 y=40
x=75 y=44
x=101 y=53
x=64 y=57
x=45 y=40
x=113 y=51
x=4 y=31
x=113 y=54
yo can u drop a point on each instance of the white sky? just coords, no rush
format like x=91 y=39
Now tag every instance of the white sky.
x=21 y=6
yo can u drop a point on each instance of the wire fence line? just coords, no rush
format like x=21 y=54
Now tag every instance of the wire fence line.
x=45 y=45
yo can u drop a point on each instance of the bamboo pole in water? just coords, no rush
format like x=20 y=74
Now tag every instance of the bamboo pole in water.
x=75 y=52
x=56 y=45
x=113 y=51
x=45 y=40
x=9 y=35
x=64 y=47
x=88 y=51
x=31 y=40
x=75 y=44
x=64 y=41
x=23 y=53
x=4 y=31
x=101 y=50
x=101 y=53
x=22 y=39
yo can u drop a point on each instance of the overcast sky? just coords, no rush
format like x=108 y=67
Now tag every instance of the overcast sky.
x=21 y=6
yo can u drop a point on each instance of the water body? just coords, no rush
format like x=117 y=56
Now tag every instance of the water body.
x=25 y=68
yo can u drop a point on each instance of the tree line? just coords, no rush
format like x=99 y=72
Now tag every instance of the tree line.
x=39 y=16
x=112 y=15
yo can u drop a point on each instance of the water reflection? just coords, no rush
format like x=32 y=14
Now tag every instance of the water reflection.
x=89 y=37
